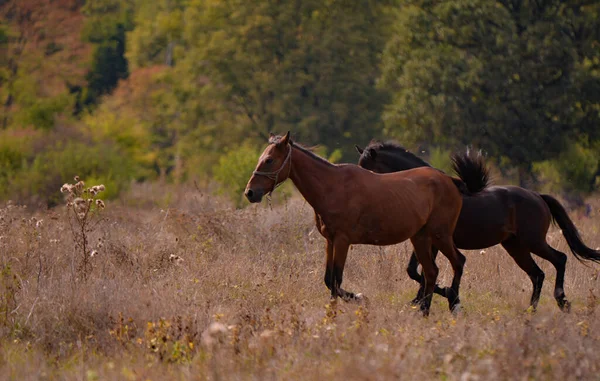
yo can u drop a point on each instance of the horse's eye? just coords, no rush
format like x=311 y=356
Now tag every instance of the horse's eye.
x=269 y=161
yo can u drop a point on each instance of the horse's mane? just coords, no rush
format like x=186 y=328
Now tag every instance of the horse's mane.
x=307 y=150
x=469 y=167
x=472 y=170
x=392 y=147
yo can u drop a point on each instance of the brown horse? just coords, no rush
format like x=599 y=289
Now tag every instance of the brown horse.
x=512 y=216
x=356 y=206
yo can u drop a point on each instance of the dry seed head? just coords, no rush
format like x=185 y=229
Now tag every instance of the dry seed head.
x=79 y=186
x=100 y=204
x=76 y=178
x=214 y=334
x=101 y=188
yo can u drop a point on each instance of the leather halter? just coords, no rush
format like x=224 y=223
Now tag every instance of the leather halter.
x=275 y=174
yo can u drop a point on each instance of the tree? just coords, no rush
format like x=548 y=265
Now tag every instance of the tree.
x=306 y=66
x=158 y=32
x=41 y=55
x=517 y=78
x=107 y=21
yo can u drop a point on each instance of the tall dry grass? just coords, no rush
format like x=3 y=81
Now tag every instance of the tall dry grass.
x=185 y=287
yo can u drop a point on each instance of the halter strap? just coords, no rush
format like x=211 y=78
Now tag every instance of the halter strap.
x=275 y=174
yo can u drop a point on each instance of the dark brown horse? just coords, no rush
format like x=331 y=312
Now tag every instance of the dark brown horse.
x=512 y=216
x=356 y=206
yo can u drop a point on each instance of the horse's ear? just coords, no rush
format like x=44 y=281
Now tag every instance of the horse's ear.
x=372 y=153
x=358 y=149
x=285 y=140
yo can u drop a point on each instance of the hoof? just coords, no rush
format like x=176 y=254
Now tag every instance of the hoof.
x=361 y=299
x=565 y=306
x=531 y=310
x=415 y=302
x=455 y=309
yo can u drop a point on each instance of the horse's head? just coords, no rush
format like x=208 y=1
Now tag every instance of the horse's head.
x=387 y=157
x=369 y=159
x=273 y=168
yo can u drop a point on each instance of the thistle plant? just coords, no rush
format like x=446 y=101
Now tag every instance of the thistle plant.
x=83 y=214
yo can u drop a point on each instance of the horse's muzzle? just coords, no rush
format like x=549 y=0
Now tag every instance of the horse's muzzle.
x=254 y=195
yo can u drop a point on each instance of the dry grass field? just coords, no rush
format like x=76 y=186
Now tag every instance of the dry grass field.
x=184 y=287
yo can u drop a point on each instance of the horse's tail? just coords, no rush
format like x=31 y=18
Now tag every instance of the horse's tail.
x=472 y=171
x=560 y=217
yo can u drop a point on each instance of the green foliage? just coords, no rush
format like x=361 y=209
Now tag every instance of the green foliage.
x=518 y=79
x=266 y=67
x=158 y=32
x=155 y=119
x=175 y=83
x=576 y=169
x=107 y=21
x=128 y=135
x=53 y=167
x=3 y=35
x=440 y=158
x=41 y=113
x=234 y=169
x=36 y=110
x=15 y=149
x=108 y=66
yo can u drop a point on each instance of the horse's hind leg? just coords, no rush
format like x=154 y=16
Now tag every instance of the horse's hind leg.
x=522 y=257
x=559 y=260
x=413 y=273
x=457 y=260
x=422 y=244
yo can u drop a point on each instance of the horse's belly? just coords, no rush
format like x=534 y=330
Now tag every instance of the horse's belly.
x=482 y=231
x=384 y=237
x=471 y=241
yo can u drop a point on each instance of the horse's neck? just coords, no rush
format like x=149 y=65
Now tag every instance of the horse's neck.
x=401 y=162
x=314 y=179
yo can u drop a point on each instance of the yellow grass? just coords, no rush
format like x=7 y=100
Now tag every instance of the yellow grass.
x=198 y=290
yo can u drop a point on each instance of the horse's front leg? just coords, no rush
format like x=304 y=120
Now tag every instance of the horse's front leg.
x=340 y=253
x=329 y=279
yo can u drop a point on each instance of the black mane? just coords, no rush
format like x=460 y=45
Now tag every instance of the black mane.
x=393 y=148
x=470 y=168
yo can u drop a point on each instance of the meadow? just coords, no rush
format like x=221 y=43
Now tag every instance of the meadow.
x=183 y=286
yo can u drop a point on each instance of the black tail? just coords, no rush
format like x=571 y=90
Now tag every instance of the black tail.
x=472 y=170
x=560 y=216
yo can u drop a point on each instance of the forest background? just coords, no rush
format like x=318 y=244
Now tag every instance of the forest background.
x=183 y=91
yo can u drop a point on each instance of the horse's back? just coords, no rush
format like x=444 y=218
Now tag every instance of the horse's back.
x=400 y=203
x=499 y=212
x=533 y=214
